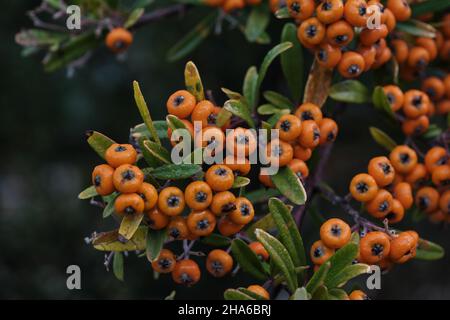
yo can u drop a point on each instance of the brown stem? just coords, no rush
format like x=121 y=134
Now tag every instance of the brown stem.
x=160 y=14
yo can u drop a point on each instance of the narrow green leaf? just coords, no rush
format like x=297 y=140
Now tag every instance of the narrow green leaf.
x=350 y=91
x=257 y=22
x=337 y=294
x=141 y=131
x=247 y=259
x=155 y=242
x=193 y=39
x=352 y=271
x=266 y=223
x=171 y=296
x=432 y=132
x=109 y=208
x=134 y=17
x=239 y=110
x=250 y=87
x=381 y=102
x=232 y=94
x=300 y=294
x=280 y=257
x=118 y=265
x=216 y=240
x=88 y=193
x=174 y=122
x=382 y=138
x=99 y=142
x=288 y=231
x=176 y=171
x=269 y=58
x=267 y=109
x=233 y=294
x=155 y=152
x=417 y=28
x=318 y=85
x=223 y=117
x=283 y=13
x=289 y=184
x=251 y=294
x=428 y=250
x=193 y=81
x=429 y=6
x=292 y=62
x=321 y=293
x=240 y=182
x=144 y=111
x=341 y=259
x=278 y=100
x=318 y=279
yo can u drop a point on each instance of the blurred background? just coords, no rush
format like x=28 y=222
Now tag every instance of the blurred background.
x=46 y=162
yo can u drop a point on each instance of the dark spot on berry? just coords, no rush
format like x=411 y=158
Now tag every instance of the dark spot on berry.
x=404 y=158
x=212 y=118
x=174 y=233
x=331 y=136
x=386 y=168
x=244 y=209
x=318 y=252
x=228 y=207
x=120 y=149
x=316 y=134
x=336 y=230
x=417 y=102
x=129 y=210
x=128 y=175
x=362 y=187
x=185 y=278
x=424 y=202
x=296 y=7
x=311 y=31
x=377 y=249
x=173 y=201
x=203 y=224
x=178 y=101
x=391 y=98
x=165 y=263
x=201 y=196
x=362 y=10
x=97 y=181
x=217 y=267
x=384 y=206
x=307 y=115
x=353 y=69
x=327 y=6
x=221 y=172
x=285 y=126
x=322 y=55
x=341 y=38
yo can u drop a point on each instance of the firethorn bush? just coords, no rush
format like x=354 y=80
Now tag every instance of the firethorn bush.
x=186 y=192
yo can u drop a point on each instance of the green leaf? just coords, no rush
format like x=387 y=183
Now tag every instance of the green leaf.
x=141 y=131
x=240 y=182
x=429 y=6
x=239 y=110
x=318 y=279
x=288 y=231
x=321 y=293
x=250 y=87
x=417 y=28
x=257 y=22
x=292 y=62
x=109 y=208
x=278 y=100
x=382 y=138
x=193 y=39
x=289 y=184
x=350 y=91
x=176 y=171
x=262 y=195
x=352 y=271
x=266 y=223
x=171 y=296
x=144 y=111
x=193 y=81
x=247 y=259
x=39 y=38
x=216 y=240
x=341 y=259
x=118 y=265
x=154 y=153
x=269 y=58
x=99 y=142
x=428 y=250
x=72 y=50
x=381 y=102
x=432 y=132
x=283 y=13
x=174 y=122
x=267 y=109
x=155 y=242
x=280 y=257
x=223 y=117
x=233 y=294
x=337 y=294
x=300 y=294
x=88 y=193
x=129 y=225
x=134 y=17
x=109 y=241
x=251 y=294
x=232 y=94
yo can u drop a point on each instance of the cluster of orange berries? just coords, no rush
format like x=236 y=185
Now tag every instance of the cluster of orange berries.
x=388 y=189
x=416 y=106
x=375 y=247
x=329 y=27
x=219 y=263
x=118 y=40
x=415 y=55
x=231 y=5
x=299 y=134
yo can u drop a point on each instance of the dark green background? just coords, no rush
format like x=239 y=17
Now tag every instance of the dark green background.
x=45 y=162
